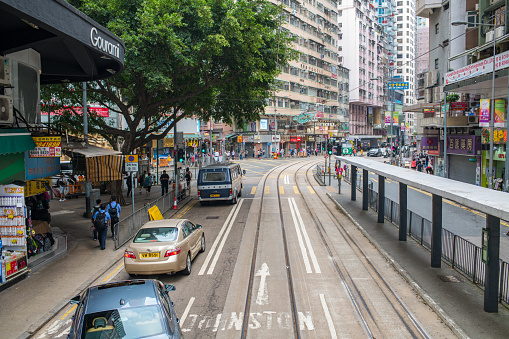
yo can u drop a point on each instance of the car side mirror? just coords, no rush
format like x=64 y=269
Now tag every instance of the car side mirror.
x=198 y=225
x=75 y=300
x=169 y=288
x=244 y=171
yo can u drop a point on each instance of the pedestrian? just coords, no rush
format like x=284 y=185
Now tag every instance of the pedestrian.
x=129 y=183
x=62 y=184
x=102 y=220
x=354 y=152
x=148 y=183
x=96 y=209
x=164 y=179
x=419 y=166
x=113 y=210
x=141 y=180
x=188 y=179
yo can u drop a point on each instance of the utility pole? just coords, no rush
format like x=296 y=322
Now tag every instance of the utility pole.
x=85 y=138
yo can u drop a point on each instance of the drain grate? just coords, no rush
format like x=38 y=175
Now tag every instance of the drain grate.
x=212 y=217
x=449 y=278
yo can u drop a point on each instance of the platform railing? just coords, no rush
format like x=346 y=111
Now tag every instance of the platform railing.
x=460 y=253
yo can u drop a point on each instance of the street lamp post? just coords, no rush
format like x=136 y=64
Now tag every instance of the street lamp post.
x=492 y=104
x=391 y=76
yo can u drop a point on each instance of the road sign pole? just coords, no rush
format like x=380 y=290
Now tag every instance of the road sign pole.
x=329 y=171
x=132 y=188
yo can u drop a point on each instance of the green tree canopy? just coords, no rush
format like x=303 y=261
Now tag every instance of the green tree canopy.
x=207 y=58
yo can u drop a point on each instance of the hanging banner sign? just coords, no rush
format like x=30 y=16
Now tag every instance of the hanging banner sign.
x=484 y=66
x=484 y=118
x=499 y=113
x=499 y=136
x=46 y=147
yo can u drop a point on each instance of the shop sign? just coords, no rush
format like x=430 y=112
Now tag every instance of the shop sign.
x=276 y=138
x=458 y=106
x=46 y=147
x=304 y=117
x=429 y=111
x=499 y=136
x=191 y=142
x=464 y=144
x=263 y=124
x=34 y=187
x=295 y=139
x=484 y=66
x=102 y=112
x=168 y=142
x=37 y=168
x=499 y=113
x=239 y=139
x=311 y=138
x=257 y=137
x=104 y=45
x=430 y=144
x=484 y=115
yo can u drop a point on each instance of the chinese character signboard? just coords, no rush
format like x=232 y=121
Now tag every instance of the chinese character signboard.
x=484 y=118
x=46 y=147
x=131 y=163
x=464 y=144
x=37 y=168
x=458 y=106
x=430 y=144
x=397 y=85
x=499 y=113
x=499 y=136
x=239 y=139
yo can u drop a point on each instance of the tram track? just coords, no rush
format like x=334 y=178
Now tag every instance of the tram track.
x=366 y=316
x=293 y=306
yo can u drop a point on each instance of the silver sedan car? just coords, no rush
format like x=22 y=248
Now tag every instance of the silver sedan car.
x=164 y=246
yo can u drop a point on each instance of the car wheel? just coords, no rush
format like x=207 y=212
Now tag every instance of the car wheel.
x=134 y=276
x=240 y=193
x=187 y=270
x=234 y=200
x=202 y=248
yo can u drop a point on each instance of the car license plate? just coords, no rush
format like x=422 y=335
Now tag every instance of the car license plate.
x=149 y=255
x=214 y=195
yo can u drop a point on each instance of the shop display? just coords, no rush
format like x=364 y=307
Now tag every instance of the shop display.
x=13 y=213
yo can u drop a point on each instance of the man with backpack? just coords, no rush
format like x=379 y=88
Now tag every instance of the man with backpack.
x=96 y=209
x=113 y=210
x=102 y=220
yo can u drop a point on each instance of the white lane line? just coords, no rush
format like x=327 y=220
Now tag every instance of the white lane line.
x=216 y=241
x=287 y=179
x=299 y=238
x=332 y=330
x=186 y=312
x=225 y=236
x=306 y=237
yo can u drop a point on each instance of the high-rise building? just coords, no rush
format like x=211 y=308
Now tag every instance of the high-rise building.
x=363 y=51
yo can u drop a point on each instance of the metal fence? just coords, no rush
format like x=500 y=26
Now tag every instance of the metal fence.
x=127 y=227
x=461 y=254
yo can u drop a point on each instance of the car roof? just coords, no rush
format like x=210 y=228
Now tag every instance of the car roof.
x=121 y=294
x=164 y=223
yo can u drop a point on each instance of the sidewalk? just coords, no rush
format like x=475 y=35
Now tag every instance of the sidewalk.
x=32 y=301
x=455 y=299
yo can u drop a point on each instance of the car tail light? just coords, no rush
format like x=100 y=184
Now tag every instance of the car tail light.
x=129 y=254
x=230 y=192
x=175 y=251
x=198 y=193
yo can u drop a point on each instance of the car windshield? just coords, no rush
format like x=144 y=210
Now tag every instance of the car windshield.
x=124 y=323
x=214 y=176
x=156 y=234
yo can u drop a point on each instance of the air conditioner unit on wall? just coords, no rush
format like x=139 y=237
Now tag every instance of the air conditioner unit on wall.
x=489 y=36
x=499 y=31
x=6 y=113
x=5 y=71
x=473 y=120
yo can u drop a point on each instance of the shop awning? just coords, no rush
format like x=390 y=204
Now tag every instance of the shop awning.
x=15 y=141
x=88 y=150
x=192 y=136
x=105 y=168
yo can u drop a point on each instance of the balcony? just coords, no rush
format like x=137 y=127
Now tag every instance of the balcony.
x=424 y=7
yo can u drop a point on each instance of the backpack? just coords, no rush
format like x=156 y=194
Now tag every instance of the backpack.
x=100 y=221
x=113 y=211
x=60 y=183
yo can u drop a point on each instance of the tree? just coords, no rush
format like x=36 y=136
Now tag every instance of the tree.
x=203 y=58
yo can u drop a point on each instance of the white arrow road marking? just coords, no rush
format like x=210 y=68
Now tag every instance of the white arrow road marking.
x=263 y=293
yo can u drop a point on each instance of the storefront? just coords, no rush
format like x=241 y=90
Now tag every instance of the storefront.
x=499 y=155
x=464 y=157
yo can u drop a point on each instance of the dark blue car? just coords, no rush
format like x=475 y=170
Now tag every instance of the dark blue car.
x=125 y=309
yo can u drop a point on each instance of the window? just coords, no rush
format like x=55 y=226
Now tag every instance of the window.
x=436 y=63
x=156 y=234
x=436 y=29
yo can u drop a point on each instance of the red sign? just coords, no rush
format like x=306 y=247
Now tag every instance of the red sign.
x=295 y=139
x=458 y=106
x=100 y=111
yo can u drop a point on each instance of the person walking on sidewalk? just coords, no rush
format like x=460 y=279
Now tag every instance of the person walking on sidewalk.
x=148 y=183
x=96 y=209
x=114 y=212
x=141 y=180
x=62 y=184
x=165 y=180
x=129 y=183
x=102 y=220
x=188 y=179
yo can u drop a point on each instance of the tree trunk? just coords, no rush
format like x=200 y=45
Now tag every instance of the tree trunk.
x=116 y=190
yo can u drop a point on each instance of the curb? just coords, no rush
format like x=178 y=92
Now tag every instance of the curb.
x=449 y=322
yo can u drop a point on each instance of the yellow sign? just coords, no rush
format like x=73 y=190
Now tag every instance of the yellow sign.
x=154 y=213
x=46 y=147
x=34 y=187
x=168 y=142
x=239 y=138
x=131 y=158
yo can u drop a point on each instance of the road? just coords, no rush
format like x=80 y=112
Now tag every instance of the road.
x=290 y=261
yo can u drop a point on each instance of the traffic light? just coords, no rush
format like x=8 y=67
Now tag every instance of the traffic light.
x=180 y=155
x=329 y=147
x=204 y=148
